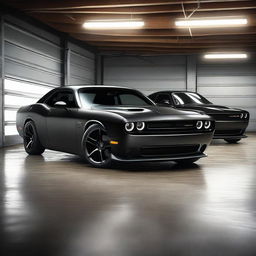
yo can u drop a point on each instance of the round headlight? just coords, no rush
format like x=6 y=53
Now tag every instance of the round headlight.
x=241 y=115
x=140 y=126
x=245 y=115
x=199 y=125
x=207 y=124
x=129 y=127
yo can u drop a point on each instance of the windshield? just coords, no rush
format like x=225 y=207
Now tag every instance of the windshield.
x=112 y=97
x=183 y=98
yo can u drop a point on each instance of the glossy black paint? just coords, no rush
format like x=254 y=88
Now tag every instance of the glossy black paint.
x=228 y=124
x=62 y=128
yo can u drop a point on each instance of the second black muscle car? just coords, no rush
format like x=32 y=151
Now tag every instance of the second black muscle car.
x=231 y=123
x=105 y=123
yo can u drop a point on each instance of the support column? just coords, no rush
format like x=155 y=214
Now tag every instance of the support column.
x=1 y=82
x=66 y=63
x=191 y=73
x=99 y=69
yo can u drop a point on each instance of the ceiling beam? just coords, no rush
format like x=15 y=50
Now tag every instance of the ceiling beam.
x=147 y=50
x=89 y=4
x=171 y=8
x=80 y=18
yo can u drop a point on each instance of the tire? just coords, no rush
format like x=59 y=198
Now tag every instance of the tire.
x=232 y=141
x=96 y=147
x=187 y=161
x=31 y=140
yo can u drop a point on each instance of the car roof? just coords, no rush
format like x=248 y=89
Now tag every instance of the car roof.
x=170 y=91
x=77 y=87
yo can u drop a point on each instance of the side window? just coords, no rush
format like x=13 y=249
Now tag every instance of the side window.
x=163 y=98
x=153 y=97
x=66 y=96
x=175 y=99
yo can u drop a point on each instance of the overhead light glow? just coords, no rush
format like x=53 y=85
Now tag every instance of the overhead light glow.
x=211 y=22
x=225 y=56
x=113 y=24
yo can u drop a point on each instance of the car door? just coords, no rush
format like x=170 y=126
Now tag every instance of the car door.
x=61 y=121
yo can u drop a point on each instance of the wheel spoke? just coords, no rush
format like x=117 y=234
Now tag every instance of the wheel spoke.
x=92 y=141
x=95 y=150
x=29 y=144
x=101 y=156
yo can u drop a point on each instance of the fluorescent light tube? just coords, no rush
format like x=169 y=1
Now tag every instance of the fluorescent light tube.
x=113 y=24
x=211 y=22
x=225 y=56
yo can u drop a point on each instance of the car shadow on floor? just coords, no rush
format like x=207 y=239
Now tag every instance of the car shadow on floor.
x=220 y=142
x=130 y=167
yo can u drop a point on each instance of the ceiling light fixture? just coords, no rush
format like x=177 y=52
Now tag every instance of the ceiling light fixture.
x=113 y=24
x=225 y=56
x=211 y=22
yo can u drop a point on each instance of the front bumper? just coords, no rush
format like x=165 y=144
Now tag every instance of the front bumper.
x=164 y=147
x=159 y=159
x=230 y=129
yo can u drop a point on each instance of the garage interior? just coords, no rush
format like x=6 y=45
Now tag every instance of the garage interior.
x=56 y=204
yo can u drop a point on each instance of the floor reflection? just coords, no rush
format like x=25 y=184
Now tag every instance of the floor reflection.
x=56 y=204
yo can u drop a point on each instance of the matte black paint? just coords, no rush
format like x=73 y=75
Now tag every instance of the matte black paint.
x=227 y=124
x=62 y=128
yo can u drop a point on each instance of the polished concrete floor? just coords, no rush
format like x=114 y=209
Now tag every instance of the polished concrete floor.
x=57 y=205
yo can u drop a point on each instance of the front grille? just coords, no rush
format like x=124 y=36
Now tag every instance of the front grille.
x=172 y=126
x=225 y=117
x=228 y=132
x=164 y=151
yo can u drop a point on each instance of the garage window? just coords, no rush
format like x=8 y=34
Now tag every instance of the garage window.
x=19 y=93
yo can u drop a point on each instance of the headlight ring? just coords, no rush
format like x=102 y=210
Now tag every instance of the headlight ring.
x=207 y=124
x=129 y=126
x=199 y=125
x=140 y=126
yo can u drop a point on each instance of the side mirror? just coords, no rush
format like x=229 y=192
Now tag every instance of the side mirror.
x=60 y=104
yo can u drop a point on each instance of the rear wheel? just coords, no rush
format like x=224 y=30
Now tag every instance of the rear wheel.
x=31 y=141
x=232 y=141
x=187 y=161
x=97 y=150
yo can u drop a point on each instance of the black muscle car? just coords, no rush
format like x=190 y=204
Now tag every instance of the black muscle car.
x=230 y=123
x=105 y=123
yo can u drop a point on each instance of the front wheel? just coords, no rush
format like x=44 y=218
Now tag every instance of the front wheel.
x=187 y=161
x=31 y=140
x=96 y=146
x=232 y=141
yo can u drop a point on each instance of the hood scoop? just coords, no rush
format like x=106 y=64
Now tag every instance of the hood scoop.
x=135 y=109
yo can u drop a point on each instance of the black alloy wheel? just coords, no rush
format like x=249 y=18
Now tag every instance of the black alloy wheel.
x=96 y=146
x=31 y=141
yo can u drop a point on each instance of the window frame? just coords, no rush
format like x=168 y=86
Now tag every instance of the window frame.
x=56 y=91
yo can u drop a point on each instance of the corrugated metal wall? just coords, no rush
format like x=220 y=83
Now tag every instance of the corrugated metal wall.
x=1 y=85
x=32 y=57
x=30 y=54
x=148 y=74
x=231 y=84
x=34 y=64
x=82 y=65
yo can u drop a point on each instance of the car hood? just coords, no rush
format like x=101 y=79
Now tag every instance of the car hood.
x=212 y=109
x=152 y=113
